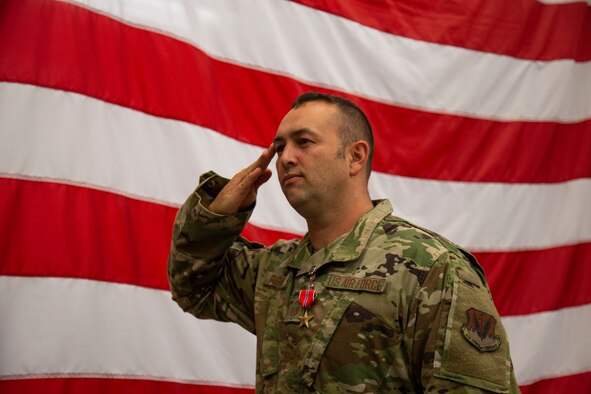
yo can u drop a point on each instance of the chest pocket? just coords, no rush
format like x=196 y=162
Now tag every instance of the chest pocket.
x=353 y=348
x=268 y=341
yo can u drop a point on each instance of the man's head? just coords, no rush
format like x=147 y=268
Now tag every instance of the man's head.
x=323 y=154
x=352 y=122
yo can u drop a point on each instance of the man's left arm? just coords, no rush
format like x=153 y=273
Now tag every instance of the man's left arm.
x=460 y=343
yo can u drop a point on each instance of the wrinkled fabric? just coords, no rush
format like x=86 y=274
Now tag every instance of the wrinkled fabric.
x=398 y=309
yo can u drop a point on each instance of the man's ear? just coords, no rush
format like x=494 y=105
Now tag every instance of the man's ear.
x=358 y=154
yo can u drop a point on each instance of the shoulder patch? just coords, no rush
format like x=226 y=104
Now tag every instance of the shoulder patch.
x=479 y=330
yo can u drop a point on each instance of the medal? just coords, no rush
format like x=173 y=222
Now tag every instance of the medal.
x=307 y=298
x=305 y=319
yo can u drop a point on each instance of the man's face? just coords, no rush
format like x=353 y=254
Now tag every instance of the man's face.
x=311 y=170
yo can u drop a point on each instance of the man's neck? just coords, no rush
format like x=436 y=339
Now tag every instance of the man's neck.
x=329 y=225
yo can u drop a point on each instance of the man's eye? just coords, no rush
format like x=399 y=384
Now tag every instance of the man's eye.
x=279 y=149
x=303 y=141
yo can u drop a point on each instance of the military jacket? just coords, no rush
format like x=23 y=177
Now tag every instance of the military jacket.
x=397 y=308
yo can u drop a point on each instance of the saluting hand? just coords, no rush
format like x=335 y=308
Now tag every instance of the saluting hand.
x=241 y=191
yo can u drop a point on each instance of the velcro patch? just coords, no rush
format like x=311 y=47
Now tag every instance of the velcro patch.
x=274 y=280
x=371 y=284
x=479 y=330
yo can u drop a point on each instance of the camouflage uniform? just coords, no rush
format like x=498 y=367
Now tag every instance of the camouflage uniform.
x=399 y=309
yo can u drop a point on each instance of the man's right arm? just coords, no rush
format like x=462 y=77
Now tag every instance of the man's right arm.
x=208 y=275
x=211 y=269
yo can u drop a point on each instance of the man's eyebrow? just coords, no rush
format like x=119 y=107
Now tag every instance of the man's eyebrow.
x=295 y=133
x=278 y=139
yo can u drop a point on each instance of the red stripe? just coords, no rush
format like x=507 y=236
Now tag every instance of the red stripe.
x=81 y=52
x=538 y=280
x=525 y=29
x=265 y=236
x=566 y=384
x=580 y=383
x=70 y=231
x=111 y=386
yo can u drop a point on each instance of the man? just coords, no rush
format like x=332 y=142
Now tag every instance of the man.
x=365 y=302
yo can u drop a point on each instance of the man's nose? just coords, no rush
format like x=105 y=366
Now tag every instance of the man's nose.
x=288 y=156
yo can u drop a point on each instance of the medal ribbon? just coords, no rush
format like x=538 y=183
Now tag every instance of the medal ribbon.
x=307 y=298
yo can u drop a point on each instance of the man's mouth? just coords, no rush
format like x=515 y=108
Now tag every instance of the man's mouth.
x=288 y=178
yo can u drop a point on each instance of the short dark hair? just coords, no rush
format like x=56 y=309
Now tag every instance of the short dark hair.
x=353 y=124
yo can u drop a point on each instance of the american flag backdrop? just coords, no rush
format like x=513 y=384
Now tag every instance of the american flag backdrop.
x=111 y=109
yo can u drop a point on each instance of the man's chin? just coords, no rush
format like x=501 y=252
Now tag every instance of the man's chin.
x=295 y=199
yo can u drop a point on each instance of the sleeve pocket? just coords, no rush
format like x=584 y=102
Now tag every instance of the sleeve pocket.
x=475 y=350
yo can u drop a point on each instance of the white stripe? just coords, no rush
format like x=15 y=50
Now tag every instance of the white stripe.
x=550 y=344
x=327 y=50
x=74 y=326
x=493 y=216
x=77 y=139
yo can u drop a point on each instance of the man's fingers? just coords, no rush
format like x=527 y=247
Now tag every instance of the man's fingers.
x=266 y=157
x=256 y=178
x=262 y=162
x=250 y=178
x=240 y=192
x=264 y=177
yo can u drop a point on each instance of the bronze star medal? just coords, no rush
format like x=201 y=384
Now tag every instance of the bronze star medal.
x=305 y=319
x=307 y=298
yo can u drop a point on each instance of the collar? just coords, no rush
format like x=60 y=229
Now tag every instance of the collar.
x=347 y=247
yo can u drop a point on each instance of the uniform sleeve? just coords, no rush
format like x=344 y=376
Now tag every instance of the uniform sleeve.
x=458 y=340
x=211 y=269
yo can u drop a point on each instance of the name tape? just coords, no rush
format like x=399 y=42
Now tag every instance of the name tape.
x=375 y=285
